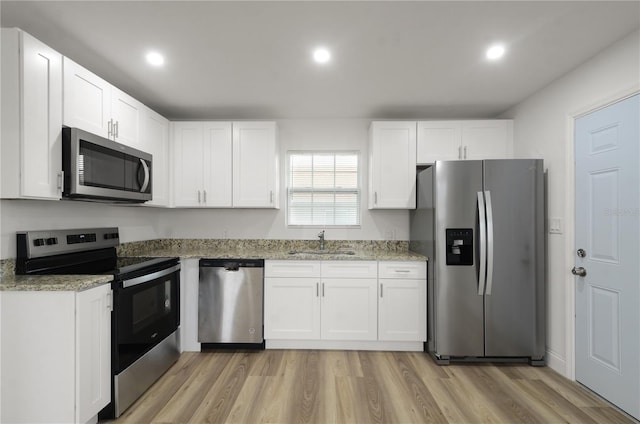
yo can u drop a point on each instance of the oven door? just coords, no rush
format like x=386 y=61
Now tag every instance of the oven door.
x=147 y=310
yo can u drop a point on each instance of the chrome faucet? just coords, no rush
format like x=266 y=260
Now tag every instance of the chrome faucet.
x=321 y=237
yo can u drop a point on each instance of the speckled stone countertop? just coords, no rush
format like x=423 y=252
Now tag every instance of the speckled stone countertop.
x=273 y=249
x=74 y=283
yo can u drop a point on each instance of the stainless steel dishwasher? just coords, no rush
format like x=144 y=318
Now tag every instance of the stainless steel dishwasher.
x=230 y=302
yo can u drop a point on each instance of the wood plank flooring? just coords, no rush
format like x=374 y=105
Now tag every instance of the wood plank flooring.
x=304 y=386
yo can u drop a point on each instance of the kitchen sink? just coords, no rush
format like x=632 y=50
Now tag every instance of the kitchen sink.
x=322 y=252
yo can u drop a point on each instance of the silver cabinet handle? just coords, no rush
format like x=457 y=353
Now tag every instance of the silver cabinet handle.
x=147 y=175
x=109 y=128
x=116 y=127
x=579 y=271
x=110 y=301
x=402 y=270
x=375 y=197
x=487 y=196
x=483 y=244
x=317 y=289
x=61 y=180
x=459 y=152
x=271 y=196
x=204 y=195
x=198 y=196
x=380 y=289
x=465 y=152
x=322 y=289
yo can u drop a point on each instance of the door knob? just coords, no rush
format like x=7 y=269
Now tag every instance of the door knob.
x=579 y=271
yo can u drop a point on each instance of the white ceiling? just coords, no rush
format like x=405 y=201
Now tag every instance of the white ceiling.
x=391 y=59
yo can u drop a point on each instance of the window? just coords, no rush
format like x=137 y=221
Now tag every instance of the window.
x=324 y=189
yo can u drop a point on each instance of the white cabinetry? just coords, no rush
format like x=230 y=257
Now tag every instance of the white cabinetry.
x=202 y=164
x=56 y=355
x=453 y=140
x=94 y=105
x=349 y=300
x=31 y=118
x=224 y=164
x=321 y=300
x=402 y=307
x=156 y=142
x=392 y=165
x=255 y=165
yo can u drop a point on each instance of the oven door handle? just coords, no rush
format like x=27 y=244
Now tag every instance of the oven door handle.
x=146 y=278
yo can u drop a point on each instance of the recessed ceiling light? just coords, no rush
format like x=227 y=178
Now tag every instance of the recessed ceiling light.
x=321 y=55
x=495 y=52
x=155 y=59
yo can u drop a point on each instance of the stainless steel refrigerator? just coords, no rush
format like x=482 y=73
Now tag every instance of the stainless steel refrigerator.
x=481 y=223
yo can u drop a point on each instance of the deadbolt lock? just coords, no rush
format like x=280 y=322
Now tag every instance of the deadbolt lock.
x=581 y=253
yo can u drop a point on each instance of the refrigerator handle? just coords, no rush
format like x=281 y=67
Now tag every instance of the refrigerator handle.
x=483 y=244
x=487 y=196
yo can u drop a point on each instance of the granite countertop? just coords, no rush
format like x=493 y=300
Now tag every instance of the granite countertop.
x=362 y=250
x=358 y=255
x=74 y=283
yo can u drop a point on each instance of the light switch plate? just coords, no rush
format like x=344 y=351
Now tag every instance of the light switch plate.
x=555 y=226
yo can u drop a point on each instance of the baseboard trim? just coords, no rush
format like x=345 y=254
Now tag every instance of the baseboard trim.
x=345 y=345
x=556 y=362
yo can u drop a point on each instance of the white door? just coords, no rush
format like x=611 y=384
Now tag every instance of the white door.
x=349 y=309
x=255 y=165
x=86 y=99
x=608 y=232
x=439 y=140
x=402 y=310
x=126 y=113
x=292 y=308
x=189 y=163
x=217 y=178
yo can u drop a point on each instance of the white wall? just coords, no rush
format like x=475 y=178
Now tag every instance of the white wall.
x=298 y=134
x=135 y=222
x=144 y=223
x=542 y=128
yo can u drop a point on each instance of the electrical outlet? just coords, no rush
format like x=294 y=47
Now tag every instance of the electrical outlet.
x=555 y=226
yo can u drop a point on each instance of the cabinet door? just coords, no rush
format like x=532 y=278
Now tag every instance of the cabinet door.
x=255 y=165
x=392 y=165
x=217 y=187
x=126 y=116
x=439 y=140
x=41 y=144
x=292 y=308
x=402 y=311
x=490 y=139
x=188 y=165
x=349 y=309
x=93 y=351
x=87 y=99
x=156 y=141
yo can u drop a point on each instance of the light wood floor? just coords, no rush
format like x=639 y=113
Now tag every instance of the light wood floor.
x=289 y=386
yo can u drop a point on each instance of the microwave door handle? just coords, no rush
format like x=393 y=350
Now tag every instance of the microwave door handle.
x=145 y=183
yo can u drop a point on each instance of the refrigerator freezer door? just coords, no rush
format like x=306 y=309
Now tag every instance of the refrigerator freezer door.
x=514 y=316
x=458 y=313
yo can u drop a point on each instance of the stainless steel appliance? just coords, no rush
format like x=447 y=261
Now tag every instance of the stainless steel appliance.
x=481 y=223
x=230 y=302
x=101 y=169
x=146 y=302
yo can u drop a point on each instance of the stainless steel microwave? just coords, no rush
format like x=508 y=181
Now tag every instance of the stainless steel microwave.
x=100 y=169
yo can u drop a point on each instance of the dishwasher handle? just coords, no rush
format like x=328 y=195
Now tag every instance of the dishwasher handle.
x=231 y=264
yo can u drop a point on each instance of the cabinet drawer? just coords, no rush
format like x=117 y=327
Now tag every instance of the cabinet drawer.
x=349 y=269
x=292 y=269
x=413 y=269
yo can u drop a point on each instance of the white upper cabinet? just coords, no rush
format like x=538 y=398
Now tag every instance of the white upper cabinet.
x=31 y=118
x=392 y=165
x=454 y=140
x=255 y=165
x=202 y=156
x=94 y=105
x=156 y=141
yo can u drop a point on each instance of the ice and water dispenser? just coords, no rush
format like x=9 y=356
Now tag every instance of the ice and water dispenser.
x=459 y=246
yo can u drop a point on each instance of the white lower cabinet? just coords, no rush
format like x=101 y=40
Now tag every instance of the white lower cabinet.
x=345 y=301
x=402 y=306
x=56 y=355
